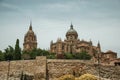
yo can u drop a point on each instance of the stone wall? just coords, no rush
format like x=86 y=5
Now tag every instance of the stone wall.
x=57 y=68
x=51 y=69
x=36 y=69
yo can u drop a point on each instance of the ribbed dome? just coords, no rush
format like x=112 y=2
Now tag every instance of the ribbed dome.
x=71 y=31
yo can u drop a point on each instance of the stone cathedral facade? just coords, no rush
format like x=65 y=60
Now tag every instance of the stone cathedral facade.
x=30 y=40
x=73 y=45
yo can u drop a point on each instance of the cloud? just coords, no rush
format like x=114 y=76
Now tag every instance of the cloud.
x=95 y=20
x=8 y=7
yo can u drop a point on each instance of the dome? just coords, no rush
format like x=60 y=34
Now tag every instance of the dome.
x=71 y=31
x=109 y=51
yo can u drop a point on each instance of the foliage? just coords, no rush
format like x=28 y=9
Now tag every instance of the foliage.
x=44 y=53
x=68 y=56
x=60 y=56
x=51 y=56
x=1 y=56
x=67 y=77
x=82 y=56
x=87 y=77
x=9 y=53
x=83 y=77
x=25 y=55
x=35 y=52
x=17 y=54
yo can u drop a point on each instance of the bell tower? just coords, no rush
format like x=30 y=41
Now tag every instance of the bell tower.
x=30 y=40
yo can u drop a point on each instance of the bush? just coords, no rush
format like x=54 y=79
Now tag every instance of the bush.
x=83 y=77
x=87 y=77
x=82 y=56
x=67 y=77
x=68 y=56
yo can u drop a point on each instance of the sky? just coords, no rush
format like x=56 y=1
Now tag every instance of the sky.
x=96 y=20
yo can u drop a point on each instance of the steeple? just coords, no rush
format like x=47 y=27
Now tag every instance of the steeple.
x=90 y=42
x=99 y=48
x=71 y=26
x=30 y=28
x=98 y=44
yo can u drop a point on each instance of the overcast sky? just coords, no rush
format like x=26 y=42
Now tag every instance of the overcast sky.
x=98 y=20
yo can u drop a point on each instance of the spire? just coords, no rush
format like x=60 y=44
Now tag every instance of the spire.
x=30 y=28
x=99 y=48
x=98 y=44
x=90 y=42
x=51 y=42
x=71 y=26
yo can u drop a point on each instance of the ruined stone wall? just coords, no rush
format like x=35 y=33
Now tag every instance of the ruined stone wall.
x=36 y=69
x=57 y=68
x=51 y=69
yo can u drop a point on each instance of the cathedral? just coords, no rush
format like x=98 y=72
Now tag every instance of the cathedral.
x=30 y=40
x=73 y=45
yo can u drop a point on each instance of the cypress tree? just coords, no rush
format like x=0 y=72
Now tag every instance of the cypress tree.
x=17 y=55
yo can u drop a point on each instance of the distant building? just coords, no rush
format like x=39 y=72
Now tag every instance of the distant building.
x=109 y=58
x=110 y=55
x=73 y=45
x=30 y=40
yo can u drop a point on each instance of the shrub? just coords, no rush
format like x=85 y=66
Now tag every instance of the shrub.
x=67 y=77
x=68 y=56
x=87 y=77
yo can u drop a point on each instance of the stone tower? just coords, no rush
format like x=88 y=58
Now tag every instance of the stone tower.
x=30 y=40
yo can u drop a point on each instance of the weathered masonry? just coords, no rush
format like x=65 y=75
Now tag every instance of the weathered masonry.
x=51 y=69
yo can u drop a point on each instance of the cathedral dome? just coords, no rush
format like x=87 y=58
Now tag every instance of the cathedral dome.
x=71 y=31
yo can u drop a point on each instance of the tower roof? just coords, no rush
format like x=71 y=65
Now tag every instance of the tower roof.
x=71 y=31
x=30 y=27
x=30 y=31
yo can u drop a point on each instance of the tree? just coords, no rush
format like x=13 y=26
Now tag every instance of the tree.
x=17 y=54
x=8 y=53
x=1 y=56
x=51 y=56
x=25 y=55
x=82 y=56
x=68 y=56
x=39 y=52
x=33 y=53
x=45 y=53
